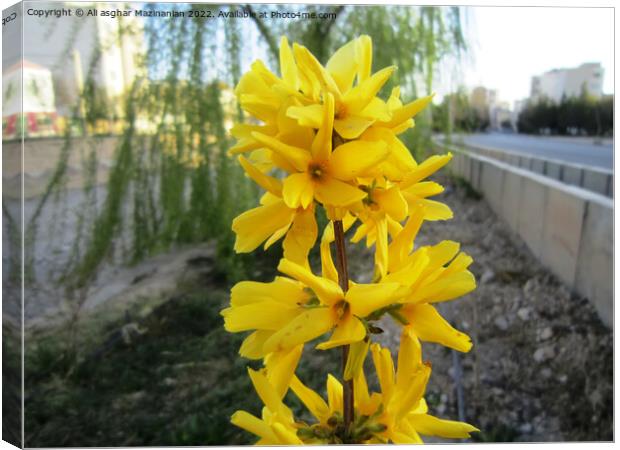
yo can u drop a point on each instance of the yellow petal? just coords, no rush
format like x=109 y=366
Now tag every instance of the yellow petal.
x=381 y=248
x=254 y=226
x=354 y=159
x=432 y=426
x=268 y=183
x=399 y=153
x=428 y=167
x=360 y=96
x=298 y=190
x=363 y=56
x=447 y=288
x=342 y=66
x=286 y=436
x=367 y=298
x=267 y=315
x=334 y=394
x=436 y=211
x=297 y=157
x=355 y=361
x=460 y=263
x=275 y=237
x=409 y=358
x=260 y=107
x=313 y=401
x=399 y=437
x=252 y=346
x=440 y=254
x=413 y=390
x=360 y=389
x=301 y=237
x=392 y=202
x=281 y=289
x=376 y=109
x=325 y=79
x=428 y=325
x=322 y=144
x=326 y=290
x=307 y=116
x=421 y=408
x=266 y=391
x=254 y=425
x=308 y=325
x=385 y=369
x=287 y=65
x=333 y=192
x=425 y=189
x=409 y=110
x=328 y=269
x=352 y=126
x=281 y=368
x=348 y=330
x=402 y=244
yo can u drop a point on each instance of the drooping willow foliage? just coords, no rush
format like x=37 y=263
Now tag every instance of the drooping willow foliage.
x=171 y=181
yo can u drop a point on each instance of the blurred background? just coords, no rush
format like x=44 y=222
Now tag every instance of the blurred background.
x=128 y=196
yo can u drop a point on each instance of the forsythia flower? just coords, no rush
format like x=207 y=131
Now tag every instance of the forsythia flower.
x=291 y=311
x=397 y=414
x=320 y=137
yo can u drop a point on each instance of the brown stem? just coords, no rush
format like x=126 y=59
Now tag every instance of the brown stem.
x=343 y=280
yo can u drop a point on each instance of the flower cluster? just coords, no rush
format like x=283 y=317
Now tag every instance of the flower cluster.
x=322 y=138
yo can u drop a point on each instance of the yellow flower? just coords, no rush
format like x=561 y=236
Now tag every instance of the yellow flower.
x=428 y=275
x=277 y=425
x=274 y=219
x=291 y=311
x=404 y=413
x=320 y=173
x=356 y=107
x=397 y=414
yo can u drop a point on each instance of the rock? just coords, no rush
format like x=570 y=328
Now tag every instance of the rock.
x=524 y=314
x=563 y=378
x=487 y=276
x=546 y=333
x=488 y=241
x=529 y=286
x=501 y=323
x=546 y=373
x=544 y=354
x=169 y=381
x=525 y=428
x=596 y=399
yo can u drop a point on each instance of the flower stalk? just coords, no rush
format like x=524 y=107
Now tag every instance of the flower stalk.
x=343 y=281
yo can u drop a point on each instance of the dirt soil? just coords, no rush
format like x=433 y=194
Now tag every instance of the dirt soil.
x=541 y=368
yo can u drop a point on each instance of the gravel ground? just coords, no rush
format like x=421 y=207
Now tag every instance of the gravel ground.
x=541 y=368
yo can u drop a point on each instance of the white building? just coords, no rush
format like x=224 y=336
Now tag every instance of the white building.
x=557 y=83
x=109 y=50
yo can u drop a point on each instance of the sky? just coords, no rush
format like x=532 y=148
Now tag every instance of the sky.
x=509 y=45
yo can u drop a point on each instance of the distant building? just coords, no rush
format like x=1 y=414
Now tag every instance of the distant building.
x=31 y=109
x=74 y=49
x=482 y=99
x=500 y=116
x=558 y=83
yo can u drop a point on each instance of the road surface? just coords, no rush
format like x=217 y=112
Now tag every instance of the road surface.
x=572 y=150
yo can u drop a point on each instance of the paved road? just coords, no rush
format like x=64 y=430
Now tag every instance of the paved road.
x=573 y=150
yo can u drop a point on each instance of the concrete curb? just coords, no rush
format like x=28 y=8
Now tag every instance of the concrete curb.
x=569 y=229
x=588 y=177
